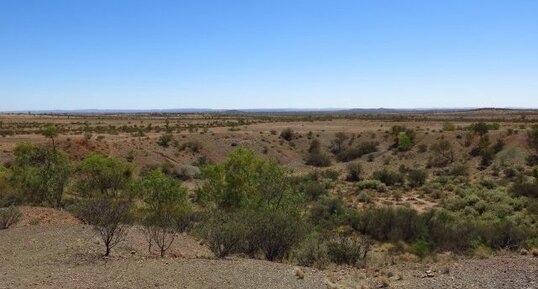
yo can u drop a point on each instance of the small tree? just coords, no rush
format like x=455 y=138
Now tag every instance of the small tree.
x=167 y=203
x=404 y=142
x=51 y=131
x=316 y=157
x=104 y=176
x=41 y=174
x=108 y=217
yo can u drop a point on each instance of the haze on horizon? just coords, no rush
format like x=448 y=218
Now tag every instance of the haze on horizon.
x=267 y=54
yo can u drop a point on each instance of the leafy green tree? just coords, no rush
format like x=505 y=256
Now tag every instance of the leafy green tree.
x=167 y=205
x=101 y=175
x=404 y=142
x=51 y=131
x=41 y=174
x=245 y=180
x=253 y=206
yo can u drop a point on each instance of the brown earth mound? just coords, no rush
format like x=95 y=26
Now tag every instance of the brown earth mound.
x=40 y=215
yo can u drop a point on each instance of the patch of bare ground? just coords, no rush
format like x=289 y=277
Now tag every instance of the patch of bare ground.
x=70 y=256
x=40 y=215
x=507 y=272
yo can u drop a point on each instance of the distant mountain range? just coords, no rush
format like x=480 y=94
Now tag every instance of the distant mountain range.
x=270 y=110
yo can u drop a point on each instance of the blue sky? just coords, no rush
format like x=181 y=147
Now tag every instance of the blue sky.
x=267 y=54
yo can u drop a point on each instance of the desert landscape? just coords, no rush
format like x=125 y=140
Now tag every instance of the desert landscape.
x=268 y=144
x=337 y=199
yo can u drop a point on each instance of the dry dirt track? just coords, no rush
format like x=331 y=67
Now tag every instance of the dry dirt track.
x=68 y=256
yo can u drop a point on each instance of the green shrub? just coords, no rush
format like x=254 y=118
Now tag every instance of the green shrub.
x=287 y=134
x=404 y=142
x=391 y=224
x=327 y=213
x=41 y=174
x=441 y=154
x=273 y=232
x=417 y=178
x=364 y=197
x=459 y=171
x=243 y=180
x=354 y=172
x=166 y=201
x=8 y=217
x=388 y=177
x=312 y=189
x=421 y=248
x=525 y=189
x=312 y=252
x=358 y=151
x=372 y=185
x=316 y=157
x=101 y=176
x=165 y=139
x=349 y=250
x=225 y=233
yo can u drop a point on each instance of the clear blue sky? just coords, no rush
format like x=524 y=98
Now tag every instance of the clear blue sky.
x=267 y=54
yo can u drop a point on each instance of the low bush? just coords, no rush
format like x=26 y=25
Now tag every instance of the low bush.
x=287 y=134
x=8 y=217
x=350 y=250
x=525 y=189
x=312 y=252
x=391 y=224
x=193 y=146
x=273 y=232
x=165 y=139
x=318 y=160
x=388 y=177
x=417 y=178
x=316 y=157
x=421 y=248
x=355 y=152
x=372 y=185
x=354 y=172
x=225 y=233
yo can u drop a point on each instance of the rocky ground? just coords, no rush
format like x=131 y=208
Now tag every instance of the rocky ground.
x=48 y=249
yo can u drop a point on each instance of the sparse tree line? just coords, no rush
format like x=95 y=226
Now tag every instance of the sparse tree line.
x=256 y=207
